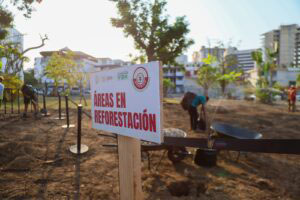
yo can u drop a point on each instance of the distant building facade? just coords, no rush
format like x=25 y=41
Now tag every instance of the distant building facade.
x=88 y=62
x=176 y=75
x=215 y=51
x=287 y=40
x=240 y=58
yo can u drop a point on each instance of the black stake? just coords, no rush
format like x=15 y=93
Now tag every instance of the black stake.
x=18 y=101
x=67 y=110
x=11 y=102
x=59 y=106
x=44 y=104
x=5 y=101
x=79 y=129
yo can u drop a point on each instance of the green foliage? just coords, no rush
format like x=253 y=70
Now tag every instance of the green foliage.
x=263 y=96
x=55 y=69
x=265 y=68
x=277 y=86
x=265 y=73
x=230 y=77
x=29 y=78
x=153 y=36
x=11 y=81
x=14 y=58
x=62 y=68
x=298 y=80
x=207 y=75
x=167 y=84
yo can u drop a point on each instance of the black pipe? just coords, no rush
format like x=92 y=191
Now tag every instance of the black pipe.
x=18 y=101
x=4 y=101
x=67 y=110
x=44 y=104
x=79 y=128
x=59 y=106
x=11 y=102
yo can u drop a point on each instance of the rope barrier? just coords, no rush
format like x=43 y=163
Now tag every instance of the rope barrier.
x=76 y=104
x=87 y=114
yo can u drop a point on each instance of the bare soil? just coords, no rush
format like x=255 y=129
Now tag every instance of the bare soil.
x=35 y=162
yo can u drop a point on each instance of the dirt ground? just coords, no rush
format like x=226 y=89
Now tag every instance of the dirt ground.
x=35 y=162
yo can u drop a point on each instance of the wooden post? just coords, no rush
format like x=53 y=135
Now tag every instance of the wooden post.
x=130 y=168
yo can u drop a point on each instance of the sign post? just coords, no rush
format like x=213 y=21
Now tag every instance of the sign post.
x=128 y=101
x=129 y=150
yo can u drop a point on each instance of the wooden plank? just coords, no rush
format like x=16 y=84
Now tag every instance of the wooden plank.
x=129 y=168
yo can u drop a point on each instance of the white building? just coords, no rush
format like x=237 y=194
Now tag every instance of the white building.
x=243 y=58
x=16 y=38
x=284 y=76
x=89 y=63
x=176 y=75
x=287 y=40
x=215 y=51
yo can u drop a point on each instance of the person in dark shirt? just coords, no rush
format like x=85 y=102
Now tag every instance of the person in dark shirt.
x=30 y=95
x=194 y=115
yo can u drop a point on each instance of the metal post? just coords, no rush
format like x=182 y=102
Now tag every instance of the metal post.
x=44 y=104
x=5 y=101
x=59 y=106
x=67 y=110
x=11 y=102
x=18 y=101
x=79 y=128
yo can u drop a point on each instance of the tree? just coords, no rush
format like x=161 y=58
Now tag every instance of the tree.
x=16 y=58
x=226 y=78
x=29 y=77
x=62 y=68
x=7 y=17
x=207 y=74
x=298 y=80
x=55 y=70
x=265 y=73
x=167 y=84
x=153 y=36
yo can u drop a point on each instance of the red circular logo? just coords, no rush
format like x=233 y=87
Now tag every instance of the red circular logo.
x=140 y=78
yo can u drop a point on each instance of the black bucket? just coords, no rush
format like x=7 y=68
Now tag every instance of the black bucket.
x=206 y=157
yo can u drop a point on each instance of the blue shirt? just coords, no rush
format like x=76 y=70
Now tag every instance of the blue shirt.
x=1 y=91
x=198 y=100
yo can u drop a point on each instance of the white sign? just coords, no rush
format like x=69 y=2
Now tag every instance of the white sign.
x=127 y=101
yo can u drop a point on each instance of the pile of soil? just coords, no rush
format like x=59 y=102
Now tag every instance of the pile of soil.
x=35 y=161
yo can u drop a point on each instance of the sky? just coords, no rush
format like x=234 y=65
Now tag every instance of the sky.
x=85 y=25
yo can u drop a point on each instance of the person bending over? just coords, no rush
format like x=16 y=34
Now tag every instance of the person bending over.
x=194 y=115
x=30 y=95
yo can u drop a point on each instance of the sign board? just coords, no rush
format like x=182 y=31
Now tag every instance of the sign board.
x=127 y=101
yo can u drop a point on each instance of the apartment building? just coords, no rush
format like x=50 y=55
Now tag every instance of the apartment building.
x=215 y=51
x=240 y=58
x=285 y=39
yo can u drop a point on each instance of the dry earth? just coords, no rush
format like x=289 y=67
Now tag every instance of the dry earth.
x=35 y=162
